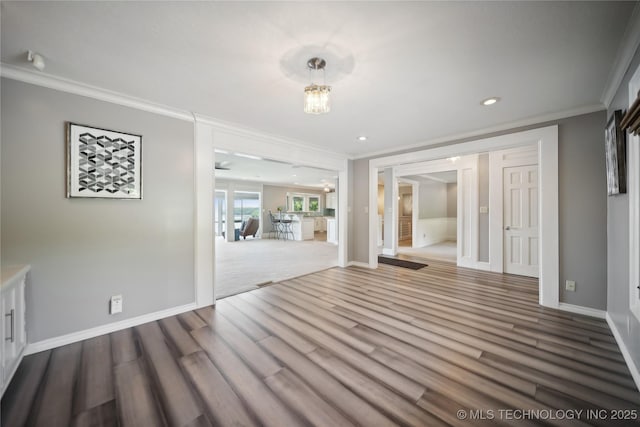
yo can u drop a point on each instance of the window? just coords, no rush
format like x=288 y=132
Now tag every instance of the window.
x=298 y=203
x=314 y=203
x=245 y=205
x=303 y=202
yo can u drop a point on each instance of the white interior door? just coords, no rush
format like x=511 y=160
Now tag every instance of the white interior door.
x=521 y=220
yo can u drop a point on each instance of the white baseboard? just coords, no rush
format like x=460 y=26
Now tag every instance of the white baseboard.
x=587 y=311
x=358 y=264
x=633 y=368
x=50 y=343
x=390 y=252
x=484 y=266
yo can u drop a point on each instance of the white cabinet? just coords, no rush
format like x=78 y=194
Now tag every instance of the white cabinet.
x=14 y=332
x=331 y=201
x=302 y=228
x=320 y=224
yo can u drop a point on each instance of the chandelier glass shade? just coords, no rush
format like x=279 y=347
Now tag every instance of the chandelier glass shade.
x=316 y=97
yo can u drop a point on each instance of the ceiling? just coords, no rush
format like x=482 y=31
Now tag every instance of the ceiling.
x=402 y=73
x=272 y=172
x=447 y=177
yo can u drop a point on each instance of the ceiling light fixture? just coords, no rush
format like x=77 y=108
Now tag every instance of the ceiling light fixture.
x=362 y=138
x=316 y=97
x=36 y=59
x=490 y=101
x=453 y=159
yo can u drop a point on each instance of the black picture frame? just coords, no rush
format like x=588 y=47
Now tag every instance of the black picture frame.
x=615 y=143
x=103 y=163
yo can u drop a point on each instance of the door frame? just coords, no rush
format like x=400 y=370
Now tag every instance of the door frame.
x=498 y=160
x=633 y=190
x=546 y=141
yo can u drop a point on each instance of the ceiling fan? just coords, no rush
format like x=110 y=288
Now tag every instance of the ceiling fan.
x=223 y=166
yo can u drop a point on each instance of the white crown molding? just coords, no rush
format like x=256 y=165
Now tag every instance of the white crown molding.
x=61 y=340
x=624 y=56
x=77 y=88
x=510 y=126
x=71 y=86
x=245 y=132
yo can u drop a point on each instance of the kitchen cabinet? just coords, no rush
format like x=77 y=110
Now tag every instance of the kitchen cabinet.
x=331 y=200
x=320 y=224
x=14 y=333
x=302 y=227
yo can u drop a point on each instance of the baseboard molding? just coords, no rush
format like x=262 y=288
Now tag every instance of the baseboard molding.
x=358 y=264
x=484 y=266
x=389 y=252
x=633 y=368
x=587 y=311
x=50 y=343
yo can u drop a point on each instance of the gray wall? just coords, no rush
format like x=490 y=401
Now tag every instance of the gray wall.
x=582 y=204
x=433 y=199
x=618 y=246
x=82 y=251
x=452 y=200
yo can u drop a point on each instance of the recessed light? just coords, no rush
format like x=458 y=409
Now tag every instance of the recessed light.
x=362 y=138
x=490 y=101
x=219 y=151
x=294 y=175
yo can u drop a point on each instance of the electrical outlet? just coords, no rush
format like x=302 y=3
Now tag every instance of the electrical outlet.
x=484 y=209
x=570 y=285
x=115 y=305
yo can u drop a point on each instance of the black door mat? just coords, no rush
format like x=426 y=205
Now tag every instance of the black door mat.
x=400 y=263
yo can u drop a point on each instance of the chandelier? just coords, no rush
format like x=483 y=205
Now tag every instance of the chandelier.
x=316 y=97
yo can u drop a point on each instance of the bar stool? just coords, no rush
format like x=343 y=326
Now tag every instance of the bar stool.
x=276 y=225
x=286 y=229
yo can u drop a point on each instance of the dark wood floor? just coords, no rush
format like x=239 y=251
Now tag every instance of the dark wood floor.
x=341 y=347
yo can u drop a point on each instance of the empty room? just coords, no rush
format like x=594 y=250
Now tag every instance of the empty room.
x=371 y=213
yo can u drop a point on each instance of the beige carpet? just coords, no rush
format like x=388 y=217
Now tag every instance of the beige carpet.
x=243 y=265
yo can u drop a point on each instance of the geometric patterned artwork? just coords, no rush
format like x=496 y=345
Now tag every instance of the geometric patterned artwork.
x=103 y=163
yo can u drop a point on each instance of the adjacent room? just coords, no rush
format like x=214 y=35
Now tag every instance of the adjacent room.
x=284 y=221
x=312 y=213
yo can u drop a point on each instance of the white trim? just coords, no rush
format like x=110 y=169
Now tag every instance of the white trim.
x=467 y=221
x=624 y=56
x=235 y=137
x=204 y=234
x=633 y=191
x=546 y=139
x=71 y=86
x=531 y=121
x=484 y=266
x=587 y=311
x=633 y=368
x=358 y=264
x=108 y=328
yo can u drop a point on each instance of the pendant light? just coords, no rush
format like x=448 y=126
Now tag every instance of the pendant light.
x=316 y=97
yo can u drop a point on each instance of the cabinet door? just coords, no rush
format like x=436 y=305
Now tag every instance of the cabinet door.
x=14 y=337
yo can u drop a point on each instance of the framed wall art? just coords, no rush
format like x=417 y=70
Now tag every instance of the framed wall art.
x=103 y=163
x=616 y=155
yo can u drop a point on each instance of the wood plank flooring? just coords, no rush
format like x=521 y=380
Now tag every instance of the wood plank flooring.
x=341 y=347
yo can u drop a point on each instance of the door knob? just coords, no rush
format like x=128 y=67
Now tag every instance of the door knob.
x=507 y=228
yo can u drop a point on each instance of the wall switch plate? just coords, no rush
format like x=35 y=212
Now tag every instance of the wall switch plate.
x=570 y=285
x=115 y=305
x=484 y=209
